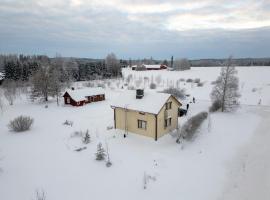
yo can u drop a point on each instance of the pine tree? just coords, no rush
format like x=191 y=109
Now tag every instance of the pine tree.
x=100 y=155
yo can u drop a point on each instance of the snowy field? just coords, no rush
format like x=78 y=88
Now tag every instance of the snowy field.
x=44 y=157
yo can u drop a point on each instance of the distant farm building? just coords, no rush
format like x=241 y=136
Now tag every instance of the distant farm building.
x=144 y=67
x=151 y=114
x=80 y=97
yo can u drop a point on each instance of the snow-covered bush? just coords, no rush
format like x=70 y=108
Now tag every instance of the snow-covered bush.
x=40 y=195
x=191 y=126
x=68 y=123
x=102 y=85
x=197 y=80
x=216 y=105
x=178 y=93
x=89 y=84
x=200 y=84
x=254 y=89
x=189 y=80
x=21 y=123
x=182 y=79
x=153 y=86
x=131 y=87
x=100 y=154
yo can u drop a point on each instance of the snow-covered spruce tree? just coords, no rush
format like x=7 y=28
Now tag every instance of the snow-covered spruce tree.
x=100 y=155
x=225 y=92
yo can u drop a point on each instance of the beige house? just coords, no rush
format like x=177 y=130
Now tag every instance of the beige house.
x=150 y=114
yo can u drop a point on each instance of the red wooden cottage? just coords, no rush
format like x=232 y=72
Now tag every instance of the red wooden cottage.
x=80 y=97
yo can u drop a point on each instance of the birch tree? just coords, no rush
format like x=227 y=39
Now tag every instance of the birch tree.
x=225 y=92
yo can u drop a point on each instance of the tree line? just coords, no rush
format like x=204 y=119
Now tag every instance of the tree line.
x=49 y=76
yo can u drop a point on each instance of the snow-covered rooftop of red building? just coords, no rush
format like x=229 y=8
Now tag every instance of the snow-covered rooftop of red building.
x=81 y=94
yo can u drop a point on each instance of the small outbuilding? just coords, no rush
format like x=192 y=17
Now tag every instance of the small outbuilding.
x=144 y=67
x=150 y=114
x=79 y=97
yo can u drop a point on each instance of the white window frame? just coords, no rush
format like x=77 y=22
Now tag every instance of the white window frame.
x=142 y=124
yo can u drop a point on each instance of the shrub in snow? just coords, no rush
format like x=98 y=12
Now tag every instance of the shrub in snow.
x=21 y=123
x=178 y=93
x=102 y=85
x=89 y=84
x=100 y=155
x=216 y=105
x=182 y=79
x=197 y=80
x=68 y=123
x=189 y=80
x=86 y=137
x=254 y=89
x=200 y=84
x=40 y=195
x=109 y=127
x=153 y=86
x=213 y=82
x=131 y=87
x=191 y=126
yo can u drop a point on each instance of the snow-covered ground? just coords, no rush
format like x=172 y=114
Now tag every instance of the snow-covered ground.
x=44 y=157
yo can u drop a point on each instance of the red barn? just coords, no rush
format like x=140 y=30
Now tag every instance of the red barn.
x=80 y=97
x=149 y=67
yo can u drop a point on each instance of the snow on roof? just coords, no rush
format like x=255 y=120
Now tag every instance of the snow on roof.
x=81 y=94
x=152 y=102
x=152 y=66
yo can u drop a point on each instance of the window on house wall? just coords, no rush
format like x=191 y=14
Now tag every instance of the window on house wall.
x=142 y=124
x=168 y=122
x=168 y=105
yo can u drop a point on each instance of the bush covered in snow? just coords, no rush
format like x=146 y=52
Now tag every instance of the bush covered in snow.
x=21 y=123
x=216 y=105
x=102 y=85
x=89 y=84
x=197 y=80
x=200 y=84
x=68 y=123
x=182 y=79
x=191 y=126
x=153 y=86
x=178 y=93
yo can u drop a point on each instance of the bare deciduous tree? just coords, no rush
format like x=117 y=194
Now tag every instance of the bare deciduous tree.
x=10 y=90
x=112 y=64
x=181 y=64
x=225 y=91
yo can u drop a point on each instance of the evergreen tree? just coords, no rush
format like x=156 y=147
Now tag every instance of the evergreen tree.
x=100 y=155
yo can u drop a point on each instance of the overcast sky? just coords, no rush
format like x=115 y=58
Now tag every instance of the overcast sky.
x=136 y=28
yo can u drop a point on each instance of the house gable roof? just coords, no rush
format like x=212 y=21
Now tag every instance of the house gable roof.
x=152 y=102
x=82 y=94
